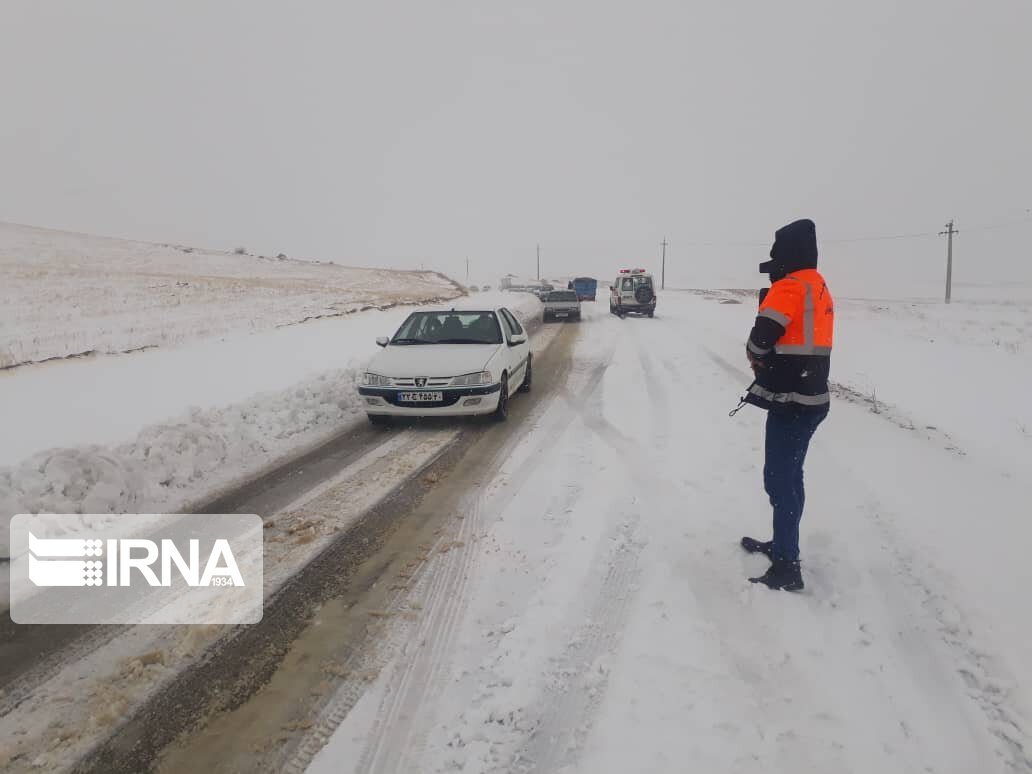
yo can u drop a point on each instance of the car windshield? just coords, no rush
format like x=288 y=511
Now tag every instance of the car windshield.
x=562 y=295
x=449 y=328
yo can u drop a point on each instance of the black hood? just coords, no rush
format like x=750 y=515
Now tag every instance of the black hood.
x=795 y=248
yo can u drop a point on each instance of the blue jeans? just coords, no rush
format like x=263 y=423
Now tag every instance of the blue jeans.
x=788 y=438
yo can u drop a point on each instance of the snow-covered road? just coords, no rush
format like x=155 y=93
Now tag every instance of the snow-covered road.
x=565 y=593
x=593 y=615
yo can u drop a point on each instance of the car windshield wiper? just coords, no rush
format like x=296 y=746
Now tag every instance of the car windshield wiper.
x=411 y=341
x=465 y=341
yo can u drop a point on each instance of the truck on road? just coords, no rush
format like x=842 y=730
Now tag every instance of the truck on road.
x=584 y=287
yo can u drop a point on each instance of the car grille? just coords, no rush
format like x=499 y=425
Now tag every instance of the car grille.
x=435 y=382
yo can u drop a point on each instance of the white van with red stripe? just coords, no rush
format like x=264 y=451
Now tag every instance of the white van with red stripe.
x=633 y=292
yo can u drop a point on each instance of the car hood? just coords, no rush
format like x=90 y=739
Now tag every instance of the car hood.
x=409 y=360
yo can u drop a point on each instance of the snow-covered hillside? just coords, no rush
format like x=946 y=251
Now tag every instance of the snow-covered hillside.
x=64 y=294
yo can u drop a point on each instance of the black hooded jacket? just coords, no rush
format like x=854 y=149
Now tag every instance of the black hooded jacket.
x=794 y=249
x=787 y=380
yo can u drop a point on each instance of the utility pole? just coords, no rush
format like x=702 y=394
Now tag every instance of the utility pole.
x=539 y=261
x=662 y=276
x=467 y=271
x=950 y=231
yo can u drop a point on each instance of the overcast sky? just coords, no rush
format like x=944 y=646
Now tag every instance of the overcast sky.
x=401 y=133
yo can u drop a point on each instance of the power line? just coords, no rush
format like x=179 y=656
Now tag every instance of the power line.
x=872 y=238
x=950 y=231
x=917 y=235
x=704 y=243
x=832 y=240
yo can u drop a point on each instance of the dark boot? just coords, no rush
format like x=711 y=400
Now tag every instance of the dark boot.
x=782 y=574
x=754 y=546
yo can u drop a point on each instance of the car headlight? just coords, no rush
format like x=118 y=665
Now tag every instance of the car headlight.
x=472 y=380
x=375 y=380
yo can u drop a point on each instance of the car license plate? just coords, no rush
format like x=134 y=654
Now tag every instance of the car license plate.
x=421 y=397
x=561 y=314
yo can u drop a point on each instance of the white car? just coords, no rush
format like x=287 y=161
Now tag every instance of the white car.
x=451 y=362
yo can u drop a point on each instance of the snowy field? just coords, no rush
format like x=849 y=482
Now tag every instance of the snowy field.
x=64 y=294
x=596 y=617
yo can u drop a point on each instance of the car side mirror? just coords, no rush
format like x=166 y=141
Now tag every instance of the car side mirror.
x=382 y=341
x=517 y=338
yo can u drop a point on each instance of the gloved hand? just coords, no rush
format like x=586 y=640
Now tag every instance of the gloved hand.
x=756 y=363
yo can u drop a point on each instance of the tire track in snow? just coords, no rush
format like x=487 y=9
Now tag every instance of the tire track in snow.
x=410 y=685
x=403 y=719
x=583 y=379
x=658 y=399
x=579 y=676
x=608 y=592
x=496 y=718
x=396 y=741
x=934 y=634
x=357 y=670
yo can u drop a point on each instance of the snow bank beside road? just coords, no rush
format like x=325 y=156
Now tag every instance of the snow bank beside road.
x=64 y=294
x=157 y=431
x=170 y=464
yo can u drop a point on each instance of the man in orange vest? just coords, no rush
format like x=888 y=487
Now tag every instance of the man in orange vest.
x=789 y=350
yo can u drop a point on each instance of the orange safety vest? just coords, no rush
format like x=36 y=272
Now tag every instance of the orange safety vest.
x=796 y=373
x=802 y=303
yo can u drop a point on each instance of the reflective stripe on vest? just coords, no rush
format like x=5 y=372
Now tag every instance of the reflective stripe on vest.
x=808 y=347
x=790 y=397
x=776 y=316
x=802 y=349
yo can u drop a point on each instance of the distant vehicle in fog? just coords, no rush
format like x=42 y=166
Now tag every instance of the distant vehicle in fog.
x=633 y=292
x=585 y=287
